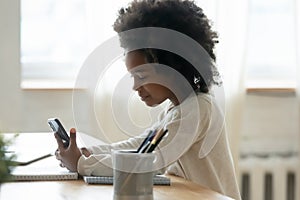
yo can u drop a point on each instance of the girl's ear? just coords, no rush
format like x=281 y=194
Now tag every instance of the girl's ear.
x=197 y=81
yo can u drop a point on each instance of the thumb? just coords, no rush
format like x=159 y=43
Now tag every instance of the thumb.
x=73 y=137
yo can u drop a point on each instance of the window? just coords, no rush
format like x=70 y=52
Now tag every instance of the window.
x=53 y=39
x=57 y=36
x=271 y=47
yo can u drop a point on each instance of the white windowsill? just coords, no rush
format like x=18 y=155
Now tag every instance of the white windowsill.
x=268 y=86
x=43 y=84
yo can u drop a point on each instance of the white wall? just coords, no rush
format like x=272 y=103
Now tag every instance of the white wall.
x=23 y=110
x=271 y=123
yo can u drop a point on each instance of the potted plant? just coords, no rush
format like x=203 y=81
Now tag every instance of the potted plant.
x=6 y=161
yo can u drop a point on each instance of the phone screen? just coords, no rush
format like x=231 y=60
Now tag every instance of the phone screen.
x=57 y=127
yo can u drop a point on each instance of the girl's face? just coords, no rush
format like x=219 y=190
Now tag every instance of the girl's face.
x=146 y=80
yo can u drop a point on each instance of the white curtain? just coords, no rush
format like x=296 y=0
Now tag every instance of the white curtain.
x=297 y=23
x=100 y=16
x=297 y=41
x=232 y=28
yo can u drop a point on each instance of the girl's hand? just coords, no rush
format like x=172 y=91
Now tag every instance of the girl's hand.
x=68 y=156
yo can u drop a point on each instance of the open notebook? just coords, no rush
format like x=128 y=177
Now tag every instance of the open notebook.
x=108 y=180
x=34 y=158
x=24 y=159
x=28 y=148
x=47 y=169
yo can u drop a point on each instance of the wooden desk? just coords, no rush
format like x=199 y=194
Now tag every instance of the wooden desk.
x=78 y=189
x=180 y=189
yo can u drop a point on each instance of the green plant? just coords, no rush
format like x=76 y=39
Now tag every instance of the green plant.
x=6 y=161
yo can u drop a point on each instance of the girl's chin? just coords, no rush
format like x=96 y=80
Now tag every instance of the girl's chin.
x=151 y=104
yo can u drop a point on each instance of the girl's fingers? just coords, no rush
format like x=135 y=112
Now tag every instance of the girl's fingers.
x=73 y=137
x=59 y=141
x=57 y=155
x=62 y=165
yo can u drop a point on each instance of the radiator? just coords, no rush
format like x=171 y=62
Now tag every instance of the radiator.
x=271 y=178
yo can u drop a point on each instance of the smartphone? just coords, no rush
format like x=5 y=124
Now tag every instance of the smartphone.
x=57 y=127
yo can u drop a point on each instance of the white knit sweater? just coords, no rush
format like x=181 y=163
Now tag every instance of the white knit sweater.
x=195 y=148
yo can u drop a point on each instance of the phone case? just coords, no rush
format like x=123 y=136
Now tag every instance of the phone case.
x=57 y=126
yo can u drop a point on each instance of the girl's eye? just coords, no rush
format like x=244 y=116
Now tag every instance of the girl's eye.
x=141 y=77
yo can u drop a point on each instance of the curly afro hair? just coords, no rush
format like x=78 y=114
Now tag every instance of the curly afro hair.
x=183 y=16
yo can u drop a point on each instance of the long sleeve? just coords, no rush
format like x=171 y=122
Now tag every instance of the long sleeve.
x=100 y=162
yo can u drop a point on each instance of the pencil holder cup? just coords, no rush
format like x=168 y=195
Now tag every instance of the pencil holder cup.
x=133 y=175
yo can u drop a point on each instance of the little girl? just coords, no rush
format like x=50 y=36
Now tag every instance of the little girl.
x=196 y=146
